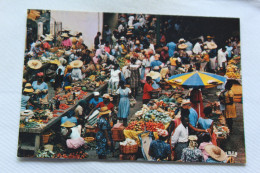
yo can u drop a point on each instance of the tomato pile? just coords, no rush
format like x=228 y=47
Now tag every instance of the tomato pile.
x=152 y=126
x=76 y=155
x=136 y=125
x=63 y=106
x=140 y=125
x=81 y=95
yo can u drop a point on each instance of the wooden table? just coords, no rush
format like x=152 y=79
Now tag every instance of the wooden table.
x=37 y=132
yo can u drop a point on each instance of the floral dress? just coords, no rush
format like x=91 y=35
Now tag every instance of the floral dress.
x=102 y=147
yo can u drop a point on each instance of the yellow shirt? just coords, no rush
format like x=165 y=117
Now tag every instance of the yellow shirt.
x=173 y=61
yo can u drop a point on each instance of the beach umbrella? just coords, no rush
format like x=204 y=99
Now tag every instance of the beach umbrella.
x=196 y=79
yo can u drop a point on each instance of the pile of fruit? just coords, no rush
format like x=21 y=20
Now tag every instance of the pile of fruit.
x=153 y=126
x=156 y=116
x=136 y=125
x=232 y=72
x=73 y=155
x=64 y=106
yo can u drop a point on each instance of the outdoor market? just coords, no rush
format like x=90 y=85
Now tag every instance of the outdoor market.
x=145 y=88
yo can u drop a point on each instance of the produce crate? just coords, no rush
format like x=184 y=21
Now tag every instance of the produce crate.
x=118 y=133
x=128 y=149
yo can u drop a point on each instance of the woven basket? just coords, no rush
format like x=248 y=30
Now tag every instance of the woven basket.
x=128 y=149
x=45 y=138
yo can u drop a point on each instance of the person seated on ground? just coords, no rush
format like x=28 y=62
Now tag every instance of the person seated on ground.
x=148 y=90
x=179 y=139
x=192 y=153
x=104 y=135
x=159 y=150
x=81 y=111
x=76 y=73
x=26 y=98
x=73 y=137
x=216 y=154
x=40 y=87
x=204 y=140
x=95 y=100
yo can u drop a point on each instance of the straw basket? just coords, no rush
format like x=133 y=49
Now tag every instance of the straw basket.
x=128 y=149
x=89 y=139
x=45 y=138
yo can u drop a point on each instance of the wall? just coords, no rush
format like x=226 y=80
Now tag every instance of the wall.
x=87 y=23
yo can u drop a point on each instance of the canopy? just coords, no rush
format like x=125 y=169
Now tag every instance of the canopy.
x=196 y=79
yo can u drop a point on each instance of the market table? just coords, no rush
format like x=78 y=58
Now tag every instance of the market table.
x=37 y=132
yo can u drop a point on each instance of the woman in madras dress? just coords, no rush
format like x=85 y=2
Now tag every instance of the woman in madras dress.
x=104 y=134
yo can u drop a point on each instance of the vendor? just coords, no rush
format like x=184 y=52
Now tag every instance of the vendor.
x=159 y=150
x=148 y=89
x=26 y=96
x=40 y=87
x=196 y=101
x=34 y=67
x=76 y=73
x=104 y=134
x=95 y=100
x=81 y=111
x=216 y=154
x=73 y=137
x=192 y=153
x=67 y=80
x=156 y=76
x=179 y=139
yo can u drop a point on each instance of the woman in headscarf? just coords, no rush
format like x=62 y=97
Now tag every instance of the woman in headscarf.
x=134 y=77
x=40 y=87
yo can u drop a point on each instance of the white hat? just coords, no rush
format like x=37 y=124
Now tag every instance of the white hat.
x=96 y=93
x=185 y=101
x=181 y=39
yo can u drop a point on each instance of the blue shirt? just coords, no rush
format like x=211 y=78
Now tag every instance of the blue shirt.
x=190 y=46
x=229 y=50
x=94 y=102
x=41 y=87
x=205 y=123
x=71 y=119
x=156 y=63
x=171 y=46
x=193 y=117
x=159 y=149
x=24 y=101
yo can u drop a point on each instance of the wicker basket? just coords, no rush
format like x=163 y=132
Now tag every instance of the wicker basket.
x=128 y=149
x=45 y=138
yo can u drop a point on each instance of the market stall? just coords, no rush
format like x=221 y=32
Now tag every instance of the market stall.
x=36 y=128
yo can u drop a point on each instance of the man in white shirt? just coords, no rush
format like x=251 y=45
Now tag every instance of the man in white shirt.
x=197 y=47
x=179 y=139
x=222 y=57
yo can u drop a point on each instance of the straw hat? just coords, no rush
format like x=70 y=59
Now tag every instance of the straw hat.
x=185 y=101
x=154 y=75
x=215 y=152
x=57 y=62
x=104 y=110
x=212 y=45
x=137 y=42
x=96 y=93
x=63 y=61
x=48 y=38
x=107 y=96
x=129 y=33
x=28 y=85
x=64 y=35
x=28 y=90
x=76 y=64
x=181 y=40
x=122 y=38
x=68 y=124
x=182 y=46
x=131 y=27
x=34 y=64
x=193 y=138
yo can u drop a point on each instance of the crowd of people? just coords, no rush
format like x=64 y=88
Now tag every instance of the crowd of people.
x=147 y=61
